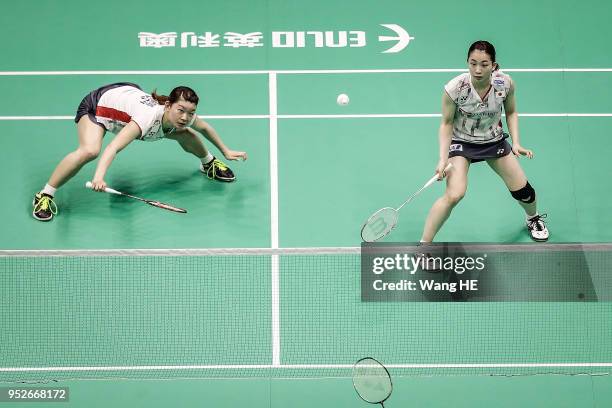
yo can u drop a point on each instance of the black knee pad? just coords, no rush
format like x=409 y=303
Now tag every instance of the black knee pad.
x=525 y=195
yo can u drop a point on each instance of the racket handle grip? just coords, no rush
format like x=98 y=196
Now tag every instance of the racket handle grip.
x=435 y=178
x=107 y=189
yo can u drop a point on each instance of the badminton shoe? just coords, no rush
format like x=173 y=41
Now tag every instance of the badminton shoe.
x=44 y=207
x=424 y=260
x=217 y=170
x=537 y=228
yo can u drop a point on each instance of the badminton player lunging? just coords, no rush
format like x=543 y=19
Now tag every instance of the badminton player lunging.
x=124 y=109
x=471 y=131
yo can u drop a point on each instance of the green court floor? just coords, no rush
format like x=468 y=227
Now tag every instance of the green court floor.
x=332 y=172
x=315 y=172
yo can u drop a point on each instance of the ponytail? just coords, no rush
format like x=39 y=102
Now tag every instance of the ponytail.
x=161 y=99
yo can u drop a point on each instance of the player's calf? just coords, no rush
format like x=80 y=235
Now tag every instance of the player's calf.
x=535 y=224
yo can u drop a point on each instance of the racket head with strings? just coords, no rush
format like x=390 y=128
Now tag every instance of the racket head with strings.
x=372 y=380
x=380 y=224
x=383 y=221
x=166 y=206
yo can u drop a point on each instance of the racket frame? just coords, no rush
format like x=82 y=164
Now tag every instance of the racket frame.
x=388 y=376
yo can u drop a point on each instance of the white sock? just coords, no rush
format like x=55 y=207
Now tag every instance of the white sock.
x=529 y=217
x=49 y=190
x=205 y=160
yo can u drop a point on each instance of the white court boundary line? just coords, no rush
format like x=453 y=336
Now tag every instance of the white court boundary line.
x=274 y=261
x=287 y=72
x=303 y=72
x=72 y=117
x=530 y=247
x=292 y=366
x=323 y=116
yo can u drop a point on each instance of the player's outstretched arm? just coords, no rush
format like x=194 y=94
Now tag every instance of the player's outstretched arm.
x=211 y=134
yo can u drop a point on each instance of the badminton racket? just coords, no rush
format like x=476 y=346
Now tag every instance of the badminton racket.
x=154 y=203
x=384 y=220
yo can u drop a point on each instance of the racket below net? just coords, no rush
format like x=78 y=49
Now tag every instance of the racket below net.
x=384 y=220
x=154 y=203
x=372 y=381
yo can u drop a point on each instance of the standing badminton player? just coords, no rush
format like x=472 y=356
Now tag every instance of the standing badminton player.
x=130 y=113
x=471 y=131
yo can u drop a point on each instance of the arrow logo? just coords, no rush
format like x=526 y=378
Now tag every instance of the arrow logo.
x=403 y=38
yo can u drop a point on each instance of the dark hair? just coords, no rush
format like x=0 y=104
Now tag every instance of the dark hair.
x=186 y=93
x=486 y=47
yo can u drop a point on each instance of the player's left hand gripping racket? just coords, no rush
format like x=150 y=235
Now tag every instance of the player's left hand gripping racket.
x=384 y=220
x=144 y=200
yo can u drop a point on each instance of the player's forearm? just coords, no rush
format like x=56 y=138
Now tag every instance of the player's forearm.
x=444 y=136
x=124 y=138
x=104 y=162
x=211 y=135
x=512 y=122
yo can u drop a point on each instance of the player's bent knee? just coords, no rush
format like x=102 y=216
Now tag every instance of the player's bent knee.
x=454 y=197
x=525 y=195
x=88 y=153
